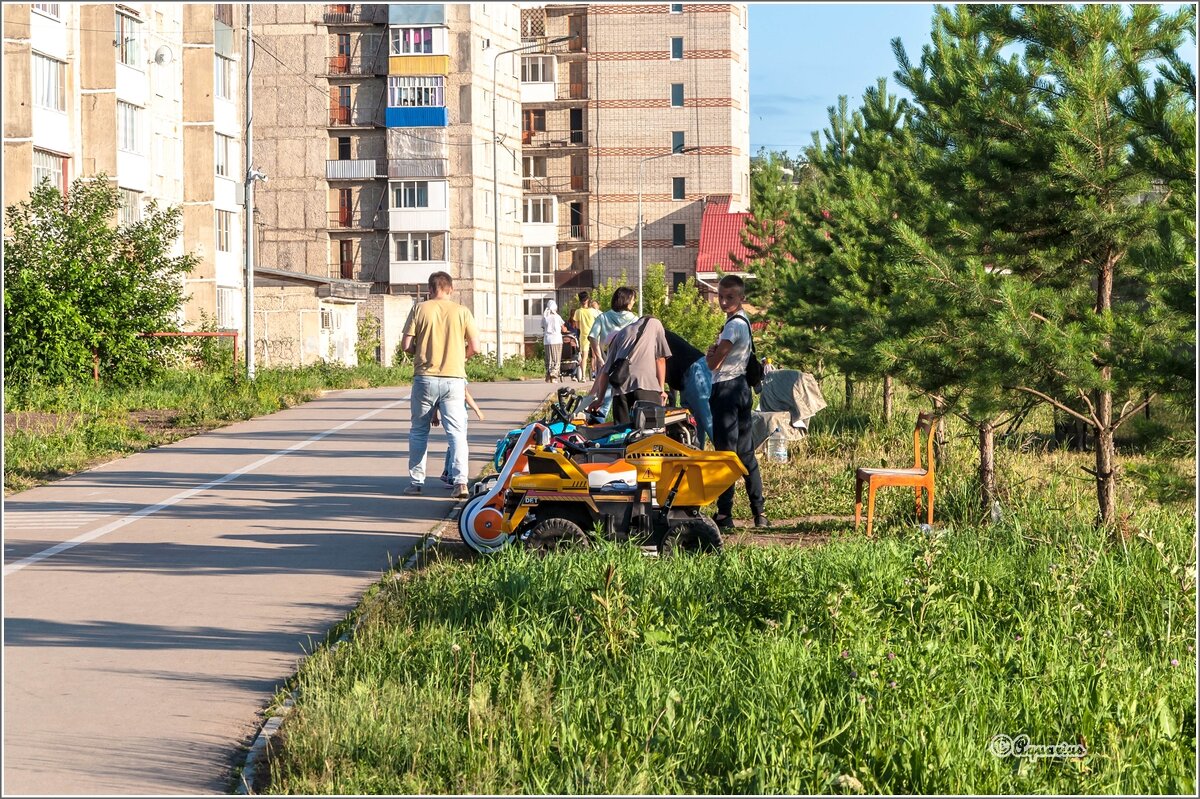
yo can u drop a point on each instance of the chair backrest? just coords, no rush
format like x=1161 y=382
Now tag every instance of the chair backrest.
x=924 y=425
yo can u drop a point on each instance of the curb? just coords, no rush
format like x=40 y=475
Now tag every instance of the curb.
x=260 y=750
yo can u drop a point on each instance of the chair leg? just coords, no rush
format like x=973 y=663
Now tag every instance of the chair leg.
x=917 y=492
x=929 y=491
x=857 y=504
x=870 y=506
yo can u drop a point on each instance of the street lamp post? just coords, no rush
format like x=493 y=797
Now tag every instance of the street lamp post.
x=641 y=223
x=495 y=179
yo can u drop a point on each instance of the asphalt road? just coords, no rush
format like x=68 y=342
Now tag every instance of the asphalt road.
x=153 y=605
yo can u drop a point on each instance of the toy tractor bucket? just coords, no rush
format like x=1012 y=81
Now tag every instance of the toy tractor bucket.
x=705 y=475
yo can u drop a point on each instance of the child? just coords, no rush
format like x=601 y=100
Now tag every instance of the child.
x=437 y=420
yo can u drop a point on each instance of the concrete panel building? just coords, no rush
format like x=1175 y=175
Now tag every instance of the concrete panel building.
x=146 y=93
x=374 y=123
x=648 y=100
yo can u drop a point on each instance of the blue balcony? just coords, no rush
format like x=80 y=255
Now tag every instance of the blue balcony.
x=426 y=117
x=416 y=14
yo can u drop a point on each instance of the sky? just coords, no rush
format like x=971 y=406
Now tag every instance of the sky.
x=803 y=55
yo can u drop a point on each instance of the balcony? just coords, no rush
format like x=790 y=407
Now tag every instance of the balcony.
x=417 y=117
x=558 y=184
x=573 y=91
x=359 y=116
x=575 y=279
x=354 y=66
x=356 y=169
x=356 y=14
x=342 y=270
x=573 y=233
x=554 y=138
x=416 y=219
x=358 y=219
x=414 y=271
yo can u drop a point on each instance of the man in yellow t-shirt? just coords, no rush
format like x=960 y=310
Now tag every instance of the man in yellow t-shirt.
x=440 y=335
x=584 y=317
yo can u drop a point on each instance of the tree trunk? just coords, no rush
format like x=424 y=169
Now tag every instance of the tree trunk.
x=939 y=431
x=887 y=398
x=987 y=464
x=849 y=392
x=1106 y=478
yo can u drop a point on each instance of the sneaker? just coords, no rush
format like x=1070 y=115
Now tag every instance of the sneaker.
x=460 y=491
x=413 y=489
x=761 y=521
x=723 y=522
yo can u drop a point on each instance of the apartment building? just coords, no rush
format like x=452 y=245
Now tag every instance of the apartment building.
x=148 y=94
x=644 y=101
x=377 y=135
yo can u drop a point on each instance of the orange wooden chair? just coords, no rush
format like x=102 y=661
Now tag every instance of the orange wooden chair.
x=917 y=477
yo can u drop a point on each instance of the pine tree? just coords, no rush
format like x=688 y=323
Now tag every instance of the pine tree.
x=1041 y=188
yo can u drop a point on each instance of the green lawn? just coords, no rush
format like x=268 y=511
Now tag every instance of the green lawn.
x=889 y=663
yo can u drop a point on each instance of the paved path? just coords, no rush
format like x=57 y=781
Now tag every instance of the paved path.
x=174 y=590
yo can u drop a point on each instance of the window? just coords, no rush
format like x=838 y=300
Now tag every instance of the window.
x=538 y=210
x=127 y=40
x=129 y=122
x=676 y=8
x=534 y=306
x=221 y=156
x=410 y=194
x=227 y=307
x=677 y=188
x=537 y=69
x=420 y=246
x=343 y=148
x=223 y=77
x=223 y=12
x=533 y=166
x=412 y=41
x=416 y=92
x=678 y=279
x=49 y=83
x=676 y=141
x=537 y=266
x=49 y=9
x=224 y=230
x=676 y=48
x=49 y=165
x=131 y=206
x=679 y=235
x=677 y=95
x=343 y=44
x=532 y=121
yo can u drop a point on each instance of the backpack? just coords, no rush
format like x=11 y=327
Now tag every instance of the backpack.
x=754 y=370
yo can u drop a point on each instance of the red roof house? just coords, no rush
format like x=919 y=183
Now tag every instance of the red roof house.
x=720 y=238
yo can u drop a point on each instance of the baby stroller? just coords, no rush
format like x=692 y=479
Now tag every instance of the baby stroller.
x=569 y=365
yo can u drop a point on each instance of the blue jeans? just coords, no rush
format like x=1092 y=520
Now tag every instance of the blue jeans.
x=445 y=394
x=697 y=388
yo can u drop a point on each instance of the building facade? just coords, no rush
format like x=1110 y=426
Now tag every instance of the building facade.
x=147 y=94
x=644 y=102
x=377 y=135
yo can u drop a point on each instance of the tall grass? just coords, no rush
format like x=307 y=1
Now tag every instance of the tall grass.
x=765 y=671
x=885 y=665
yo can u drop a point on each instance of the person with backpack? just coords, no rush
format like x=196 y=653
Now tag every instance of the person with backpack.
x=635 y=368
x=735 y=370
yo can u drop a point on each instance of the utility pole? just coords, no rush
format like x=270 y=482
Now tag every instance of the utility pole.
x=248 y=248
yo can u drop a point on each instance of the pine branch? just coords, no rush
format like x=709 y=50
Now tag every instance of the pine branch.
x=1134 y=412
x=1055 y=403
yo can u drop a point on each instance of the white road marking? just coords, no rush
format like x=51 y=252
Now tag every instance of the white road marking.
x=191 y=492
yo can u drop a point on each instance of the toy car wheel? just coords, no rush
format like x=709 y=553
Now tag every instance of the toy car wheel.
x=556 y=533
x=698 y=534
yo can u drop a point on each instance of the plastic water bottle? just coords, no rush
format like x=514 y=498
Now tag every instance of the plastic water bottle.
x=777 y=447
x=995 y=512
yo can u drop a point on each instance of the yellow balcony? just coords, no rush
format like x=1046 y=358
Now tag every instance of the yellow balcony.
x=419 y=65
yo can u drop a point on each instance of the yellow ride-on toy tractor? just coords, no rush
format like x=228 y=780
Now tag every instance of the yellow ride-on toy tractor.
x=650 y=492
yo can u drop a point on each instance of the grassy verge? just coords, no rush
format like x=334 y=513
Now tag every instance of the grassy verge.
x=887 y=666
x=51 y=432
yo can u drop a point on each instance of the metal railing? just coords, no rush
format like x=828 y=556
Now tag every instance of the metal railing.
x=355 y=14
x=572 y=91
x=554 y=138
x=350 y=117
x=574 y=233
x=559 y=184
x=356 y=169
x=355 y=65
x=358 y=219
x=342 y=270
